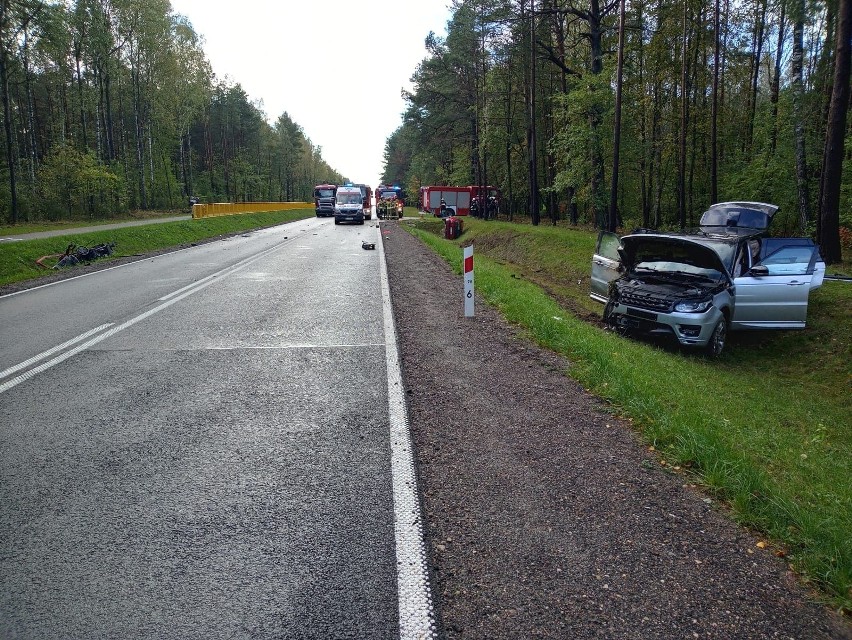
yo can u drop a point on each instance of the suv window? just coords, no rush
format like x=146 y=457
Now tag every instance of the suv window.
x=789 y=261
x=609 y=246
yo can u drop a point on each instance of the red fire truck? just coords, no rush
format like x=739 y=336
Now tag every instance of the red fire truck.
x=367 y=194
x=487 y=200
x=390 y=200
x=455 y=198
x=324 y=199
x=388 y=189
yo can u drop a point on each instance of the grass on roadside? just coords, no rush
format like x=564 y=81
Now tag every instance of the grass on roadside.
x=18 y=259
x=765 y=428
x=55 y=225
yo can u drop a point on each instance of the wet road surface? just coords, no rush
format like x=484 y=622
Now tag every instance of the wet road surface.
x=197 y=445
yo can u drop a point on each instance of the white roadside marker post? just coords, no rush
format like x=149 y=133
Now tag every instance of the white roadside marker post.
x=468 y=281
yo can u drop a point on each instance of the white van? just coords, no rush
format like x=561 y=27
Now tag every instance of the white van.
x=349 y=205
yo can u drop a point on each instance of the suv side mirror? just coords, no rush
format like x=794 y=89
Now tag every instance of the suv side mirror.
x=759 y=270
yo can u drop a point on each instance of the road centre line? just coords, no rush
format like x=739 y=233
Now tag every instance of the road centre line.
x=213 y=275
x=416 y=613
x=224 y=273
x=44 y=354
x=189 y=286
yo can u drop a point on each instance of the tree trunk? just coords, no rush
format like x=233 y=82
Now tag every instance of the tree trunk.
x=168 y=180
x=531 y=124
x=757 y=48
x=99 y=119
x=829 y=236
x=30 y=134
x=714 y=111
x=139 y=130
x=7 y=128
x=644 y=164
x=109 y=123
x=510 y=194
x=616 y=144
x=726 y=15
x=655 y=167
x=798 y=117
x=77 y=55
x=776 y=82
x=684 y=120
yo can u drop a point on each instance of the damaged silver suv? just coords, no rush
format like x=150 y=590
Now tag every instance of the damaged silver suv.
x=695 y=287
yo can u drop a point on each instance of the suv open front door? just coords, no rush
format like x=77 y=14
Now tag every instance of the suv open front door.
x=773 y=294
x=605 y=265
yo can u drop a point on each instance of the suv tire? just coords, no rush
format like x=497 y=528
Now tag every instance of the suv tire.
x=716 y=344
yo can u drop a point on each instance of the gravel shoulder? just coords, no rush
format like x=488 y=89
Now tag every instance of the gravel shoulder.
x=546 y=516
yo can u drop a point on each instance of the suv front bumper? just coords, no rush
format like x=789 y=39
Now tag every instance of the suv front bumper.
x=689 y=329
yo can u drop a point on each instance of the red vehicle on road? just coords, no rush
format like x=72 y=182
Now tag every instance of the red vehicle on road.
x=324 y=199
x=383 y=189
x=367 y=194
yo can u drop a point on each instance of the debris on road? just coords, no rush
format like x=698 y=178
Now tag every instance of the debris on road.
x=75 y=254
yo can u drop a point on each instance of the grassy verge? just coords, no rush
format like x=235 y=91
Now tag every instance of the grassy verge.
x=33 y=227
x=18 y=259
x=766 y=428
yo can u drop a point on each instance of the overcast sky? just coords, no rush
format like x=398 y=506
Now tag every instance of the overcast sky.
x=336 y=67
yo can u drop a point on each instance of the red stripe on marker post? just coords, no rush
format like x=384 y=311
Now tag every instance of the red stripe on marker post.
x=468 y=281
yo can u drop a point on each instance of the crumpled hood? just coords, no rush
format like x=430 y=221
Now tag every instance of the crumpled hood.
x=643 y=247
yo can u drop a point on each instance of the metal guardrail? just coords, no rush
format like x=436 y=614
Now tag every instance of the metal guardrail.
x=232 y=208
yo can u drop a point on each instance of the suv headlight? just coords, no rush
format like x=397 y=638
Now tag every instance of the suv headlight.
x=692 y=306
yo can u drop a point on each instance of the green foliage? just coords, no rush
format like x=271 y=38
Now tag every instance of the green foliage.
x=469 y=109
x=72 y=184
x=124 y=90
x=576 y=140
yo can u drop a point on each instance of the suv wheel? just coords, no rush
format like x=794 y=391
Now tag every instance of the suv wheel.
x=717 y=339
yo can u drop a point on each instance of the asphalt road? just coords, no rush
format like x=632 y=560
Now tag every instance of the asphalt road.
x=197 y=445
x=207 y=444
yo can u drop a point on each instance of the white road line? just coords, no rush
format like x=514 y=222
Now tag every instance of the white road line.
x=235 y=266
x=284 y=347
x=9 y=384
x=416 y=614
x=44 y=354
x=189 y=286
